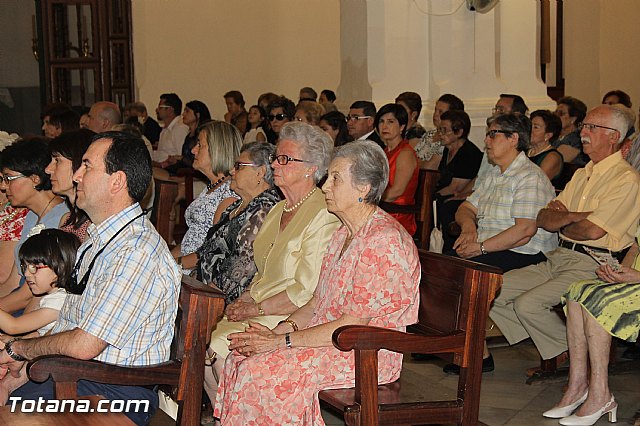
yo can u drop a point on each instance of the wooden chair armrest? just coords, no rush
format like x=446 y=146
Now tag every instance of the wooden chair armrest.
x=363 y=338
x=66 y=369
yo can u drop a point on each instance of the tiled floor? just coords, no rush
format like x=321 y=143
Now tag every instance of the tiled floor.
x=506 y=399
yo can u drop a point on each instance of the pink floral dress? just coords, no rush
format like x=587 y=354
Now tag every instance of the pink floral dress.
x=377 y=277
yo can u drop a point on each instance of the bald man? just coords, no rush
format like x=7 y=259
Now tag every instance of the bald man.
x=103 y=116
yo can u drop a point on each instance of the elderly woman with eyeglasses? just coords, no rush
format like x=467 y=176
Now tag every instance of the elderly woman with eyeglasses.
x=26 y=184
x=289 y=247
x=226 y=257
x=459 y=165
x=369 y=276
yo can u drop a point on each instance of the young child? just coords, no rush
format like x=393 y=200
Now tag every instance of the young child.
x=257 y=122
x=46 y=260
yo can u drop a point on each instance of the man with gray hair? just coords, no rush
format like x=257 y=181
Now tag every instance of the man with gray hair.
x=598 y=211
x=103 y=116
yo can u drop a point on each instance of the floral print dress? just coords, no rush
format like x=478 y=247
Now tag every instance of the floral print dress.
x=377 y=277
x=226 y=257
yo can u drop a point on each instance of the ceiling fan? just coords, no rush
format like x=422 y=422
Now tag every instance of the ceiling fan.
x=482 y=6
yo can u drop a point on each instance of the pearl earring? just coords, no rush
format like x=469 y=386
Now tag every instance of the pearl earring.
x=306 y=176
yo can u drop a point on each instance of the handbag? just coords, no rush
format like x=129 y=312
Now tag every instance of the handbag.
x=436 y=242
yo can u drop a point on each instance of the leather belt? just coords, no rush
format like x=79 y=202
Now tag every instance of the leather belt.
x=580 y=248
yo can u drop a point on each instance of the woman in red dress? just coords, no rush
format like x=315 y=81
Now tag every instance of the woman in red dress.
x=391 y=122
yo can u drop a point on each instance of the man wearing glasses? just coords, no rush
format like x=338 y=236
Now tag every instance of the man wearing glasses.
x=597 y=211
x=124 y=288
x=172 y=135
x=360 y=122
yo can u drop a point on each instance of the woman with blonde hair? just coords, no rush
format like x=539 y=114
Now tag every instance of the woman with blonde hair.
x=214 y=154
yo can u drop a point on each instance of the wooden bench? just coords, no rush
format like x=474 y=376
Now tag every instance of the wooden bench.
x=455 y=296
x=199 y=309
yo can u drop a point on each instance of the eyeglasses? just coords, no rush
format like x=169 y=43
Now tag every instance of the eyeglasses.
x=31 y=268
x=278 y=117
x=491 y=134
x=357 y=117
x=239 y=164
x=498 y=109
x=165 y=106
x=283 y=159
x=444 y=131
x=591 y=127
x=7 y=179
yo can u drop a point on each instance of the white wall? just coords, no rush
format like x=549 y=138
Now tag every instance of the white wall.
x=202 y=49
x=601 y=49
x=18 y=68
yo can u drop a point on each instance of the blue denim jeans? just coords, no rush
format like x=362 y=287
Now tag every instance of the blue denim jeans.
x=32 y=390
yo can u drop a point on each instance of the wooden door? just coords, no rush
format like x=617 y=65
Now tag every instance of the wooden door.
x=85 y=51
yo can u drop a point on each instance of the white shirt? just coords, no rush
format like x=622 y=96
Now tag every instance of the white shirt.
x=171 y=140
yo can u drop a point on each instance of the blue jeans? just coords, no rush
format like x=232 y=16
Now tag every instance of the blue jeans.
x=32 y=390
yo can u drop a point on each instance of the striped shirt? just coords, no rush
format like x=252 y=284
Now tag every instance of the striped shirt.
x=131 y=298
x=518 y=193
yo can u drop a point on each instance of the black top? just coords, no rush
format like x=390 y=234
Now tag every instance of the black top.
x=152 y=130
x=464 y=165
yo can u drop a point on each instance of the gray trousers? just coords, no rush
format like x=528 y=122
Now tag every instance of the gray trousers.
x=522 y=308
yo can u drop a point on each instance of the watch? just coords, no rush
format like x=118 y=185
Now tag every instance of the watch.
x=482 y=250
x=14 y=356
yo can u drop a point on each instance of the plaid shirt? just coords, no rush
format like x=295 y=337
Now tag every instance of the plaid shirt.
x=520 y=192
x=131 y=298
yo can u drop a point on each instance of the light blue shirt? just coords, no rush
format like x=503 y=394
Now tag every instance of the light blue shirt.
x=518 y=193
x=131 y=298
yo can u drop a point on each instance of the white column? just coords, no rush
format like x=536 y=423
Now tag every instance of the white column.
x=434 y=47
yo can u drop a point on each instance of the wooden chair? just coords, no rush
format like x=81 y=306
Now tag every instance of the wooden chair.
x=423 y=208
x=199 y=308
x=455 y=296
x=166 y=193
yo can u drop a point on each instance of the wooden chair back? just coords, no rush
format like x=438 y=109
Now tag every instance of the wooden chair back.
x=199 y=309
x=455 y=296
x=422 y=209
x=166 y=194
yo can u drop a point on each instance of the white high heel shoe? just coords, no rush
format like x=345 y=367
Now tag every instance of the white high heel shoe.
x=561 y=412
x=574 y=420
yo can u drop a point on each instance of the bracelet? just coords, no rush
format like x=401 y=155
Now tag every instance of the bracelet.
x=287 y=340
x=260 y=310
x=482 y=250
x=290 y=322
x=14 y=355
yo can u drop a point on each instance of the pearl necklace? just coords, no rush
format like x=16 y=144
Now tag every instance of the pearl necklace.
x=299 y=203
x=211 y=186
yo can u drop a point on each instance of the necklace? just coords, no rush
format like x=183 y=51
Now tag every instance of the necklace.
x=533 y=151
x=211 y=186
x=299 y=203
x=41 y=215
x=238 y=209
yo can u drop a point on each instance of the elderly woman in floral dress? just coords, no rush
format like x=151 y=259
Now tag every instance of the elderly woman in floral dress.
x=369 y=276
